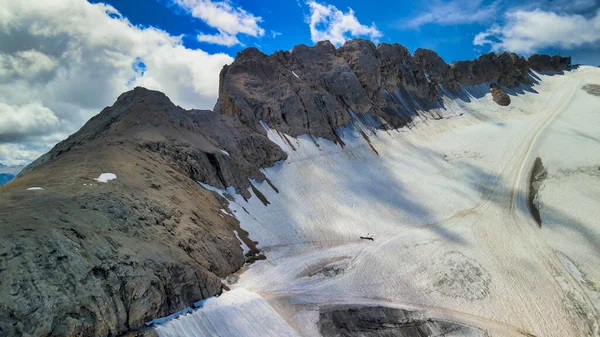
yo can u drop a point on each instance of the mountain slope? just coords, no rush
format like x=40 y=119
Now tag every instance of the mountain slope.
x=92 y=258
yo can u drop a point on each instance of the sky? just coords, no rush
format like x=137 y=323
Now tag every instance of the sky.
x=62 y=61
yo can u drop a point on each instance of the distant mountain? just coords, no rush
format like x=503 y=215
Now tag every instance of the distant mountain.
x=11 y=169
x=6 y=177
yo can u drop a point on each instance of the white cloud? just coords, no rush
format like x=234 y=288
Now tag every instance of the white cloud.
x=62 y=61
x=19 y=154
x=219 y=38
x=528 y=31
x=329 y=23
x=25 y=121
x=228 y=20
x=454 y=13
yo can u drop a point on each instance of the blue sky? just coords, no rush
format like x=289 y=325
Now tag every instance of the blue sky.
x=63 y=61
x=448 y=27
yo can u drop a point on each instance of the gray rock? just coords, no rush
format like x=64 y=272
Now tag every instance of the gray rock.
x=378 y=321
x=506 y=69
x=315 y=90
x=548 y=63
x=435 y=67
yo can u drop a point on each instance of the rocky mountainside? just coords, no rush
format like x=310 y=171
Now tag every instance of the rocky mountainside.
x=312 y=89
x=80 y=257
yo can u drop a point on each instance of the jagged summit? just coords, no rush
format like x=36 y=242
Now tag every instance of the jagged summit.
x=312 y=89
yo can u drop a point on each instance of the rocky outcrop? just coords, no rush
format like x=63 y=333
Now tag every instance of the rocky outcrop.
x=506 y=69
x=315 y=90
x=548 y=63
x=498 y=95
x=436 y=69
x=536 y=180
x=378 y=321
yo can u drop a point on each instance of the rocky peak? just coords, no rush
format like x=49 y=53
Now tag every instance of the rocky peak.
x=548 y=63
x=315 y=90
x=435 y=67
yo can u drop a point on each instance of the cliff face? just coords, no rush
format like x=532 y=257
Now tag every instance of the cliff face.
x=82 y=257
x=312 y=89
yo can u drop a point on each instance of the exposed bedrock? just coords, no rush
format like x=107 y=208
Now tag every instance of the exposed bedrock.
x=365 y=321
x=316 y=89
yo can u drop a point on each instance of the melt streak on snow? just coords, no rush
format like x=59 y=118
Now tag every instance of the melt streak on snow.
x=445 y=201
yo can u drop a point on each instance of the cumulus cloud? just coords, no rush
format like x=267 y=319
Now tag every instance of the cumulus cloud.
x=229 y=21
x=528 y=31
x=25 y=121
x=329 y=23
x=454 y=13
x=62 y=61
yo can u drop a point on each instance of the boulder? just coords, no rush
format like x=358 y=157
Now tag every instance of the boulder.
x=498 y=95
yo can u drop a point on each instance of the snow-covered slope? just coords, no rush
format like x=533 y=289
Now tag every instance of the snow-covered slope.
x=445 y=202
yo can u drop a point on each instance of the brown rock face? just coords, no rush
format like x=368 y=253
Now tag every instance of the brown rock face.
x=84 y=258
x=498 y=95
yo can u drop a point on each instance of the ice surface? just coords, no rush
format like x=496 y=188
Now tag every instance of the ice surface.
x=444 y=201
x=106 y=177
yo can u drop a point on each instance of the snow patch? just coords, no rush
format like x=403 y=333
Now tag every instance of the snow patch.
x=237 y=313
x=295 y=74
x=35 y=189
x=106 y=177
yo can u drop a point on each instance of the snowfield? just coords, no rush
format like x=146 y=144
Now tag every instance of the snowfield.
x=446 y=204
